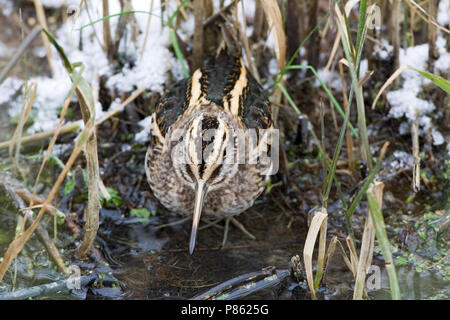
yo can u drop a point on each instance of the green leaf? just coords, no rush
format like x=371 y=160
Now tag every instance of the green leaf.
x=114 y=199
x=60 y=50
x=68 y=187
x=141 y=213
x=401 y=261
x=439 y=81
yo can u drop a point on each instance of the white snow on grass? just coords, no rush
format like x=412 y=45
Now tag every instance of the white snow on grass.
x=6 y=7
x=398 y=161
x=144 y=135
x=443 y=62
x=8 y=88
x=331 y=78
x=5 y=51
x=443 y=13
x=405 y=102
x=438 y=139
x=57 y=3
x=150 y=71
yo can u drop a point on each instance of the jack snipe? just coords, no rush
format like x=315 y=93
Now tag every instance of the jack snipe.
x=200 y=156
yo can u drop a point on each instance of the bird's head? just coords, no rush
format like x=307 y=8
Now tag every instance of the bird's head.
x=205 y=159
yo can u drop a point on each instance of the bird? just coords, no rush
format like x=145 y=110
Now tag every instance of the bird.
x=199 y=159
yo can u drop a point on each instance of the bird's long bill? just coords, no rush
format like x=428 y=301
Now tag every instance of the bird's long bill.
x=200 y=192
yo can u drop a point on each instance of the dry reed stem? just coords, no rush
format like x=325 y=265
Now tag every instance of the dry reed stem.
x=365 y=258
x=333 y=52
x=93 y=207
x=433 y=52
x=93 y=27
x=147 y=28
x=120 y=108
x=107 y=38
x=273 y=15
x=244 y=37
x=318 y=223
x=28 y=100
x=388 y=83
x=426 y=17
x=76 y=125
x=19 y=52
x=353 y=255
x=198 y=45
x=40 y=13
x=42 y=135
x=394 y=33
x=52 y=142
x=259 y=23
x=415 y=144
x=348 y=136
x=375 y=196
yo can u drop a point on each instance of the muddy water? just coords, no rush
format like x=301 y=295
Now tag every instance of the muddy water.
x=158 y=263
x=155 y=264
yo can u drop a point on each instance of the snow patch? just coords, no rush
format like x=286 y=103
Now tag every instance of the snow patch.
x=443 y=12
x=405 y=102
x=8 y=88
x=144 y=135
x=6 y=7
x=149 y=71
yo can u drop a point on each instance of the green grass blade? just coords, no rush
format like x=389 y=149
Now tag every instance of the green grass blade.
x=359 y=98
x=116 y=15
x=439 y=81
x=173 y=38
x=380 y=231
x=60 y=50
x=178 y=52
x=288 y=97
x=172 y=17
x=328 y=92
x=361 y=25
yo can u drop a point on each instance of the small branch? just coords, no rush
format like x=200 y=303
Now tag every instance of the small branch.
x=49 y=288
x=198 y=34
x=42 y=135
x=107 y=39
x=76 y=125
x=20 y=51
x=40 y=13
x=147 y=29
x=40 y=231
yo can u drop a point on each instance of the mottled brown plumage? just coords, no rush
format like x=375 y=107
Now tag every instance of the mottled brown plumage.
x=224 y=98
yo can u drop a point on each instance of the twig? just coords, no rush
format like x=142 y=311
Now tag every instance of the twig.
x=415 y=144
x=243 y=33
x=40 y=13
x=20 y=51
x=42 y=135
x=76 y=125
x=50 y=288
x=40 y=232
x=218 y=15
x=28 y=100
x=245 y=285
x=107 y=39
x=147 y=29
